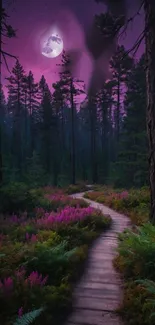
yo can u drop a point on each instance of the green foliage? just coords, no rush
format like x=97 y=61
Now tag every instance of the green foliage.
x=137 y=252
x=17 y=197
x=35 y=174
x=71 y=189
x=150 y=288
x=135 y=203
x=131 y=166
x=54 y=259
x=29 y=317
x=136 y=262
x=13 y=197
x=57 y=255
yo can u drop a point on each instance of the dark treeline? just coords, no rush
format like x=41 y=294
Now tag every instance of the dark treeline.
x=49 y=138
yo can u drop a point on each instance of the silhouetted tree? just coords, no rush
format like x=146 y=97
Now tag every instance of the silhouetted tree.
x=16 y=99
x=132 y=168
x=70 y=92
x=120 y=64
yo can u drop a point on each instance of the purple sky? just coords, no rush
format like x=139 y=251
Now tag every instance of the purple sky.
x=32 y=18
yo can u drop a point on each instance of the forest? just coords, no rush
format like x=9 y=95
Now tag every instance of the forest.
x=77 y=187
x=50 y=138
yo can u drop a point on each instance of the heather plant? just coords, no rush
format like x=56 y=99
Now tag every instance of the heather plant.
x=65 y=216
x=42 y=252
x=60 y=200
x=20 y=290
x=135 y=203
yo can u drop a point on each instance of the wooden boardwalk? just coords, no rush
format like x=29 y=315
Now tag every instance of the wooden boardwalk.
x=99 y=291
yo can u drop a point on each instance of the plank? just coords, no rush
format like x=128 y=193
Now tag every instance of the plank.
x=99 y=293
x=98 y=285
x=106 y=278
x=89 y=317
x=96 y=303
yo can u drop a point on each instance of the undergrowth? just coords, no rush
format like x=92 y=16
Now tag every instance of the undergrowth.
x=135 y=203
x=136 y=262
x=44 y=240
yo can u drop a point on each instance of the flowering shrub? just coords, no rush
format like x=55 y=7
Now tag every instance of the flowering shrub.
x=67 y=215
x=61 y=200
x=134 y=203
x=8 y=285
x=42 y=251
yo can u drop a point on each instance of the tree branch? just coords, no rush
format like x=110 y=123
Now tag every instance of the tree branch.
x=5 y=54
x=131 y=19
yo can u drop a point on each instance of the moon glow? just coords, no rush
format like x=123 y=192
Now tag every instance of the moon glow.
x=52 y=45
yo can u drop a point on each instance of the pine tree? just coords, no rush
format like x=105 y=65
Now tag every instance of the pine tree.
x=32 y=106
x=93 y=138
x=16 y=100
x=149 y=9
x=105 y=119
x=2 y=130
x=132 y=159
x=84 y=142
x=59 y=103
x=120 y=64
x=70 y=92
x=46 y=106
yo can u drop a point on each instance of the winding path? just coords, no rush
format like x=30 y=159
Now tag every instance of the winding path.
x=99 y=291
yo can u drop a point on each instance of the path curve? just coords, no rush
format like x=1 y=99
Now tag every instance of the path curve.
x=99 y=291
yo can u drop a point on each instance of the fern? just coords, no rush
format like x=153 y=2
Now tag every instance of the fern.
x=29 y=317
x=150 y=287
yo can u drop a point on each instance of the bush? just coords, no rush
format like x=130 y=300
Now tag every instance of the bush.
x=134 y=203
x=136 y=261
x=71 y=189
x=13 y=198
x=53 y=245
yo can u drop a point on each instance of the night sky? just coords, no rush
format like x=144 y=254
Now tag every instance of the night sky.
x=32 y=18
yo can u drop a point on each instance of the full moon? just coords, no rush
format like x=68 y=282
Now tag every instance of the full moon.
x=52 y=45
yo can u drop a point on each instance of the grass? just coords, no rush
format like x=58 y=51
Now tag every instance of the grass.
x=44 y=241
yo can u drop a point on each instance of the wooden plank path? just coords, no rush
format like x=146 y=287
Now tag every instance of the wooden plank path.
x=99 y=291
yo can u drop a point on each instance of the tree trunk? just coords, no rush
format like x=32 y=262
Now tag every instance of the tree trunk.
x=1 y=162
x=118 y=110
x=149 y=8
x=72 y=135
x=94 y=166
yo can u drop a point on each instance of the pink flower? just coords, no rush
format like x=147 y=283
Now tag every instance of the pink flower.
x=66 y=215
x=33 y=238
x=124 y=194
x=1 y=284
x=36 y=279
x=8 y=283
x=20 y=312
x=27 y=236
x=20 y=273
